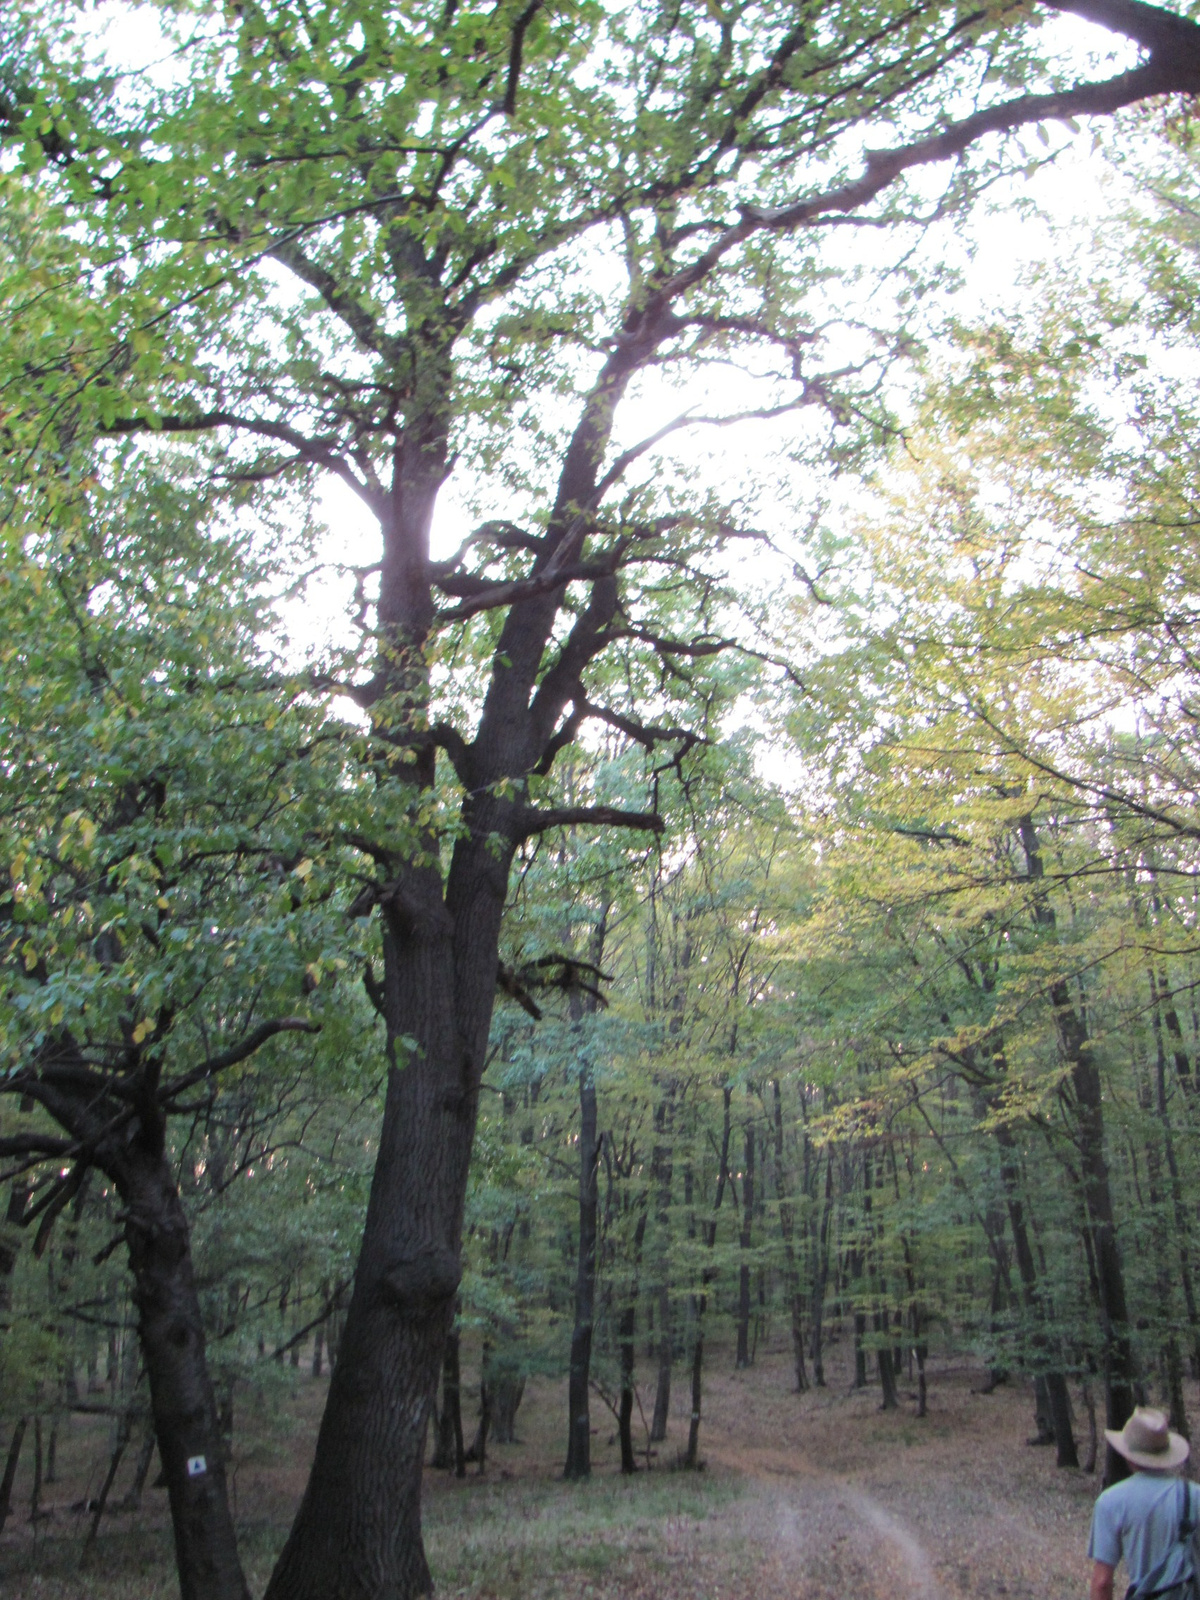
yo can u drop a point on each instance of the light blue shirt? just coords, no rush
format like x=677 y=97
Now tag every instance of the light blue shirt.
x=1138 y=1520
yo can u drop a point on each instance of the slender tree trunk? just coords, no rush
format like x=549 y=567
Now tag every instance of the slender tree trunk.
x=1182 y=1228
x=821 y=1278
x=1077 y=1051
x=579 y=1425
x=39 y=1458
x=449 y=1453
x=1170 y=1361
x=507 y=1392
x=887 y=1369
x=1089 y=1405
x=124 y=1425
x=627 y=1328
x=579 y=1421
x=1054 y=1383
x=318 y=1355
x=662 y=1172
x=787 y=1227
x=691 y=1458
x=11 y=1460
x=919 y=1350
x=744 y=1241
x=141 y=1471
x=478 y=1451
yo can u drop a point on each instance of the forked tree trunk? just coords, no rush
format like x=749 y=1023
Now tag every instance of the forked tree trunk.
x=357 y=1534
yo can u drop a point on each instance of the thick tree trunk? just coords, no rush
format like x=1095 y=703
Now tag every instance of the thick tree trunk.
x=186 y=1425
x=357 y=1534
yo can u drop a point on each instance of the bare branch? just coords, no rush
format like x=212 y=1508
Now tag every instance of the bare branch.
x=583 y=816
x=235 y=1054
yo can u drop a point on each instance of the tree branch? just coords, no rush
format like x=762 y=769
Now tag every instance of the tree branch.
x=602 y=816
x=514 y=59
x=235 y=1054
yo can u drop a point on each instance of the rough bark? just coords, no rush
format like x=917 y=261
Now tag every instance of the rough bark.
x=186 y=1425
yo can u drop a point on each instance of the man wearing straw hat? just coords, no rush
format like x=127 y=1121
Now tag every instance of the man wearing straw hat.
x=1147 y=1518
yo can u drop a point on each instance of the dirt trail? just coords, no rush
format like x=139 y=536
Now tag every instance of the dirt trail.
x=820 y=1535
x=849 y=1501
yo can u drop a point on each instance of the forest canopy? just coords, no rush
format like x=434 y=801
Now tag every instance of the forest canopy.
x=480 y=971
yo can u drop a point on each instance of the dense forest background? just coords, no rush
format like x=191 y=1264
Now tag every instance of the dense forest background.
x=849 y=973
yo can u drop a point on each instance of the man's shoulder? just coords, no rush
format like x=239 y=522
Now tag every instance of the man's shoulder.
x=1139 y=1489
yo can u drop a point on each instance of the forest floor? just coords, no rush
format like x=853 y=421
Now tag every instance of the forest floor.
x=803 y=1497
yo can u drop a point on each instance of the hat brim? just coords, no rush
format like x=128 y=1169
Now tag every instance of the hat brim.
x=1174 y=1455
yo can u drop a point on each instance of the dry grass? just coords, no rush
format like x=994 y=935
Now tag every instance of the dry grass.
x=803 y=1497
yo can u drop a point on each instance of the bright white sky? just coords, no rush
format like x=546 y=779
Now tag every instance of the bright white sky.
x=1003 y=241
x=997 y=250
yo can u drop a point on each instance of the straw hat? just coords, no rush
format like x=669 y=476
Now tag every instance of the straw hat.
x=1147 y=1442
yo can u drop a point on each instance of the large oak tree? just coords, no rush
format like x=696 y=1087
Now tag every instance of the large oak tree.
x=370 y=241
